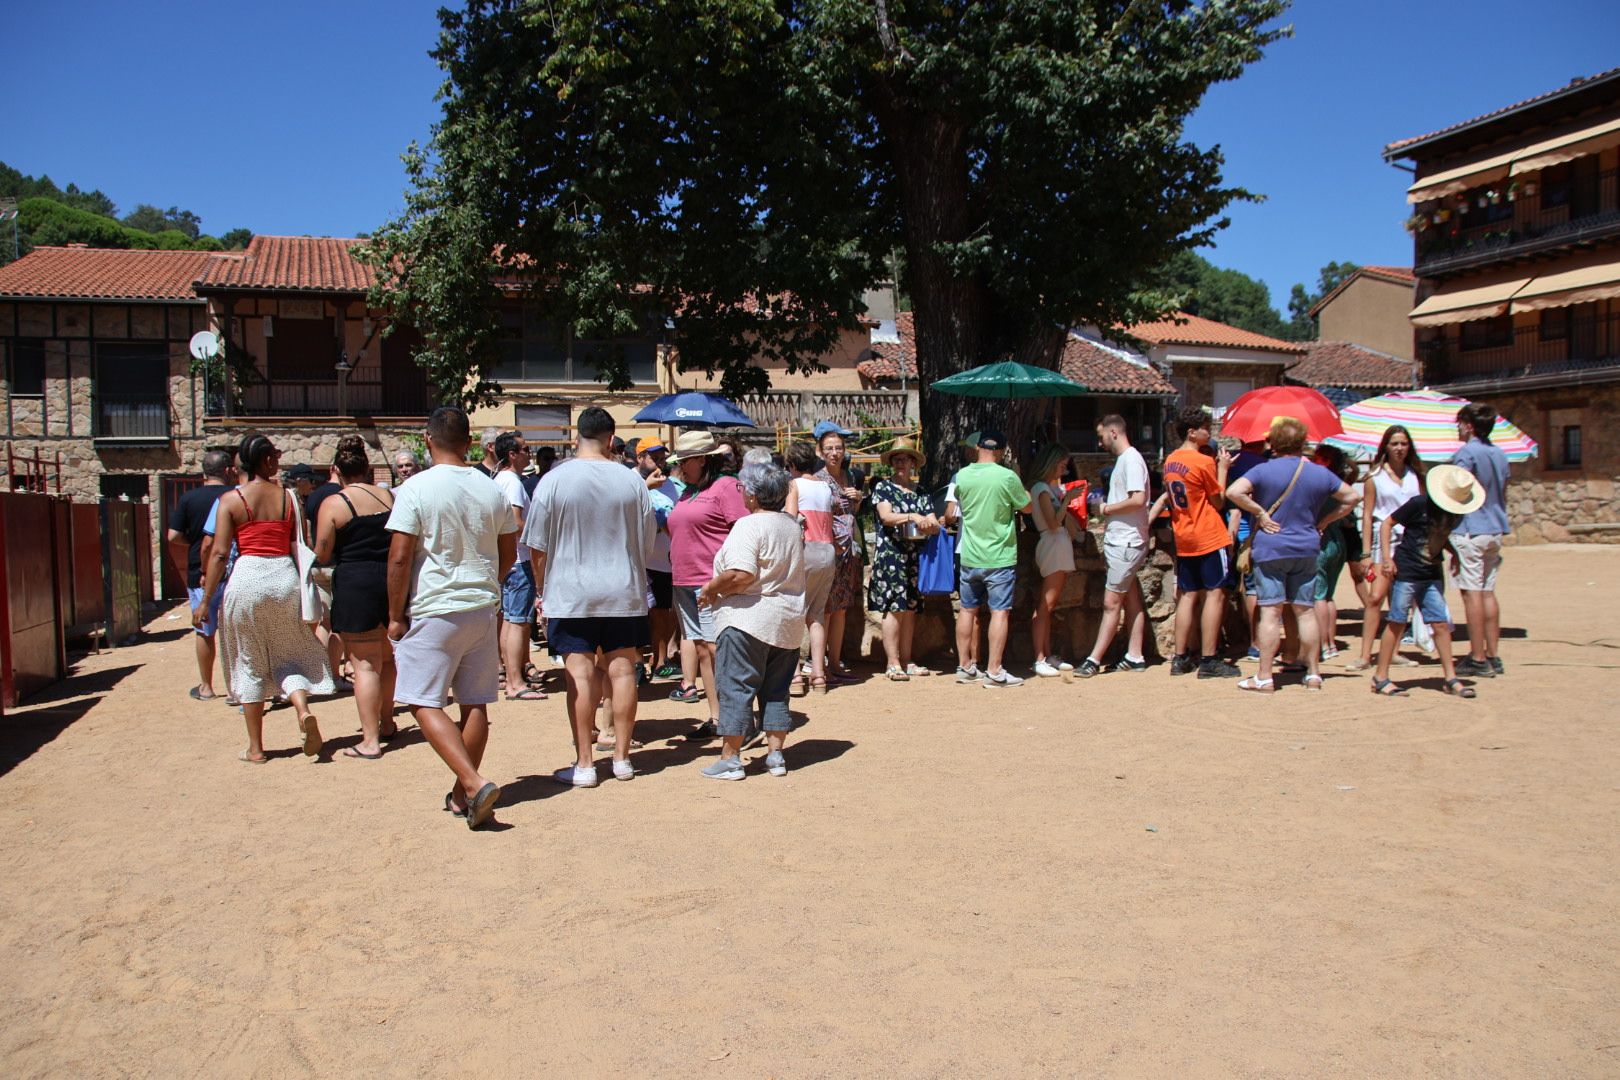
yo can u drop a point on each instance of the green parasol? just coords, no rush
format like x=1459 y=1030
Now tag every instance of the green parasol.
x=1008 y=380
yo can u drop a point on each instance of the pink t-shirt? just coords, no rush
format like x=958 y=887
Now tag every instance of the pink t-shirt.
x=699 y=525
x=815 y=506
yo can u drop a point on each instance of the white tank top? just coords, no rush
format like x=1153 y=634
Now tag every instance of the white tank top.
x=1390 y=494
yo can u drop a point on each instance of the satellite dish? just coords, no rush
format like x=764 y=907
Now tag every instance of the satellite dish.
x=205 y=345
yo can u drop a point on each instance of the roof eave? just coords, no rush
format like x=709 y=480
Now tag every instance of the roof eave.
x=1397 y=151
x=34 y=298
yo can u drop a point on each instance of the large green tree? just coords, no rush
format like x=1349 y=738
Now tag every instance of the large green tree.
x=1227 y=296
x=740 y=164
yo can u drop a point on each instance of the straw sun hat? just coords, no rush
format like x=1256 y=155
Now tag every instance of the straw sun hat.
x=904 y=446
x=691 y=444
x=1455 y=489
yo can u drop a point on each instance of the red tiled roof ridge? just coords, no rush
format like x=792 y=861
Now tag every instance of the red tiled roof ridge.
x=292 y=264
x=1405 y=273
x=1573 y=84
x=1106 y=368
x=1180 y=328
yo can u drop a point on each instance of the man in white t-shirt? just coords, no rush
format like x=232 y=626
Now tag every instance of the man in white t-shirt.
x=455 y=538
x=517 y=591
x=1125 y=549
x=590 y=536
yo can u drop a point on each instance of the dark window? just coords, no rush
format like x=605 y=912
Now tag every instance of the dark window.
x=1572 y=445
x=1555 y=324
x=27 y=376
x=132 y=391
x=1488 y=333
x=1555 y=186
x=532 y=350
x=133 y=488
x=302 y=350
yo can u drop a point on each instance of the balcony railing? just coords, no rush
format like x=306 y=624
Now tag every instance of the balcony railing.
x=1559 y=344
x=378 y=397
x=800 y=410
x=133 y=417
x=1592 y=212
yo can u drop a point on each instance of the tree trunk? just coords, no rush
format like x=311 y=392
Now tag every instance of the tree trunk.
x=931 y=170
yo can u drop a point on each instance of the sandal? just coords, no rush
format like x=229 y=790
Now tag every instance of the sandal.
x=1313 y=682
x=1387 y=688
x=354 y=752
x=533 y=675
x=895 y=674
x=917 y=672
x=449 y=805
x=840 y=677
x=528 y=693
x=818 y=684
x=312 y=735
x=196 y=694
x=1255 y=684
x=249 y=759
x=1457 y=688
x=1358 y=664
x=799 y=687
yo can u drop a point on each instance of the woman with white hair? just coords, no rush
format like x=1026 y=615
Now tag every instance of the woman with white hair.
x=757 y=596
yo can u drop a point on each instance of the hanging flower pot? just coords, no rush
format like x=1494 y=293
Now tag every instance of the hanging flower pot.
x=1483 y=202
x=1530 y=188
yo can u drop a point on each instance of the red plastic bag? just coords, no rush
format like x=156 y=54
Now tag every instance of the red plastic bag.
x=1075 y=499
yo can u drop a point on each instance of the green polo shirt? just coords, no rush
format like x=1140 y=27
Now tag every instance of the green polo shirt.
x=990 y=496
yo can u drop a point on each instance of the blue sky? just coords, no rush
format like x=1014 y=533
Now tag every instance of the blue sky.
x=290 y=117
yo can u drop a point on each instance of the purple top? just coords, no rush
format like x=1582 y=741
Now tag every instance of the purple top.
x=1298 y=513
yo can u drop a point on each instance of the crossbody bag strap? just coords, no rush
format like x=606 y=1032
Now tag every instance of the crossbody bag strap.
x=1278 y=504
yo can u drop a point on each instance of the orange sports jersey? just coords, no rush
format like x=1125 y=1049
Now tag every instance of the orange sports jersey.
x=1190 y=479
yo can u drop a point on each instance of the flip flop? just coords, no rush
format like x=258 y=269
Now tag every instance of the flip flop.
x=482 y=805
x=246 y=760
x=196 y=696
x=528 y=693
x=1313 y=682
x=311 y=729
x=1255 y=684
x=354 y=752
x=449 y=805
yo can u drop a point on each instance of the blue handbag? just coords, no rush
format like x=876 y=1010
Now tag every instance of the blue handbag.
x=936 y=565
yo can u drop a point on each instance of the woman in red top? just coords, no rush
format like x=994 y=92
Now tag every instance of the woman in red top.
x=265 y=645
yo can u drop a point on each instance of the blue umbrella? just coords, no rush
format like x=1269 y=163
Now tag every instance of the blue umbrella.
x=694 y=409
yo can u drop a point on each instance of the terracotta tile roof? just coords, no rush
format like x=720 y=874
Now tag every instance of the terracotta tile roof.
x=1341 y=363
x=889 y=358
x=1184 y=329
x=1398 y=275
x=104 y=274
x=293 y=264
x=1572 y=85
x=1106 y=370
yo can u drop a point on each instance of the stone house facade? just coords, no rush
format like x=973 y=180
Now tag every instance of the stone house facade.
x=1516 y=236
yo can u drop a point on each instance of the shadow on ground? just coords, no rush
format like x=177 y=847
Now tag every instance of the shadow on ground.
x=23 y=733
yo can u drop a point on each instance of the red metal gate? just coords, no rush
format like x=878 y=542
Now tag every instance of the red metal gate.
x=33 y=656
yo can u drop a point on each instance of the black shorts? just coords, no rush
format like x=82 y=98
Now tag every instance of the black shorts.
x=564 y=636
x=1197 y=573
x=662 y=585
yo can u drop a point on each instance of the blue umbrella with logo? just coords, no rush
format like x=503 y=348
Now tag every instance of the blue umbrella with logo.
x=693 y=408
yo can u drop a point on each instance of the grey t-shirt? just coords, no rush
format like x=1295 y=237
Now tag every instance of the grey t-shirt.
x=593 y=521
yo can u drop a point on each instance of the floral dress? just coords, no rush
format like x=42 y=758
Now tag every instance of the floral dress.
x=847 y=572
x=894 y=561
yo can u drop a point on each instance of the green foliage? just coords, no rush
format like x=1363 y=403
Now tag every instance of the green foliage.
x=1227 y=296
x=50 y=216
x=736 y=164
x=1301 y=325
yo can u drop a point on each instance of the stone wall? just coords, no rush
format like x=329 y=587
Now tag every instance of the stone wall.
x=1201 y=377
x=1555 y=510
x=315 y=443
x=1074 y=624
x=1550 y=501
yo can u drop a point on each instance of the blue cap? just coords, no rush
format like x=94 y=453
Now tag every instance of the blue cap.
x=827 y=427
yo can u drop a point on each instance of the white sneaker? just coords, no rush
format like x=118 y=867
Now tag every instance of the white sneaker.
x=574 y=776
x=1061 y=665
x=1045 y=670
x=968 y=674
x=776 y=763
x=1002 y=678
x=623 y=770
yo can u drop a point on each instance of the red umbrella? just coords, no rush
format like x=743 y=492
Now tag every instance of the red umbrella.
x=1249 y=418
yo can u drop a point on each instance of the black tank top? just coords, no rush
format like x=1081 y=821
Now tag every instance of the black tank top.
x=364 y=538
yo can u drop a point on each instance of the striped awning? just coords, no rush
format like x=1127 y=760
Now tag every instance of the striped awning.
x=1522 y=156
x=1467 y=300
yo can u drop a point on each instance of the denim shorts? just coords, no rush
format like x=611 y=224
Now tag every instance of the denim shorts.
x=975 y=585
x=1429 y=597
x=211 y=623
x=697 y=622
x=517 y=594
x=747 y=668
x=609 y=633
x=1287 y=581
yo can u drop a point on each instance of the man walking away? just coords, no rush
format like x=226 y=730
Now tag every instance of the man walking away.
x=1125 y=549
x=1195 y=488
x=517 y=591
x=454 y=540
x=590 y=535
x=1477 y=540
x=185 y=538
x=989 y=496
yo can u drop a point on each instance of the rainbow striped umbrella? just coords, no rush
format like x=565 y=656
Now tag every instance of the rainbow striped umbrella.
x=1430 y=416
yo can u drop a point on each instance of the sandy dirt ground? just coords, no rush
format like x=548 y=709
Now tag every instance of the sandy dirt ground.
x=1132 y=876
